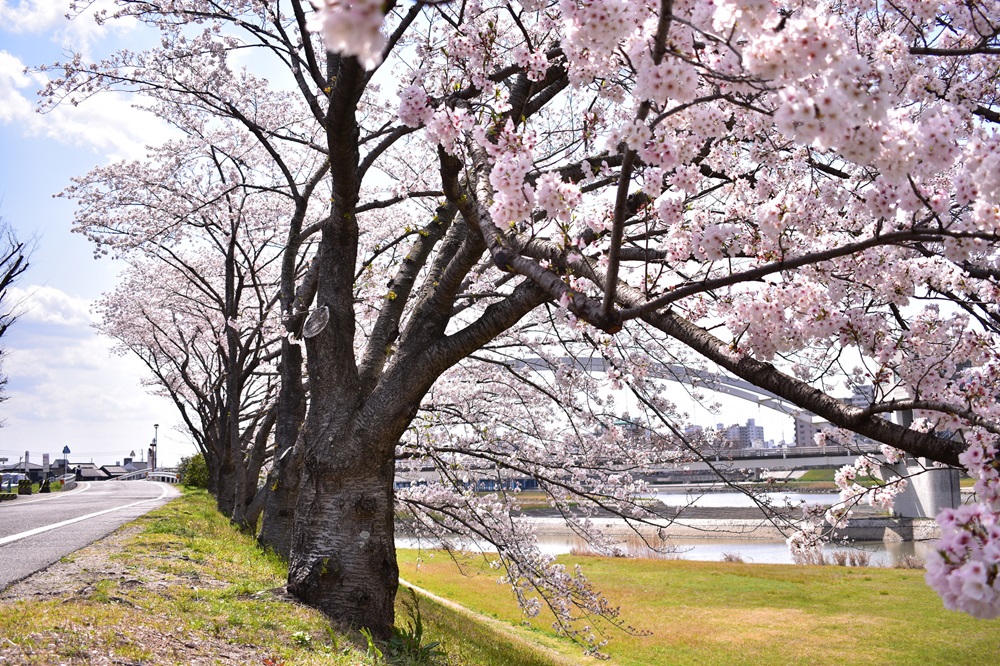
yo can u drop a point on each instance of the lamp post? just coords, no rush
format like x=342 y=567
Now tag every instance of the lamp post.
x=152 y=458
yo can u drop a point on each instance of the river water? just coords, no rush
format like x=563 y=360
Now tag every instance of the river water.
x=704 y=499
x=716 y=549
x=882 y=554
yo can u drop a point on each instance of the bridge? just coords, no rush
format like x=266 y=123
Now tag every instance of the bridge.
x=703 y=379
x=152 y=475
x=793 y=457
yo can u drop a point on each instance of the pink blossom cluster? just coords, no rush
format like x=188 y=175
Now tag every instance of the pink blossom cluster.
x=446 y=127
x=715 y=241
x=534 y=62
x=964 y=566
x=808 y=43
x=593 y=30
x=807 y=542
x=556 y=197
x=672 y=80
x=512 y=154
x=351 y=27
x=414 y=106
x=983 y=463
x=881 y=496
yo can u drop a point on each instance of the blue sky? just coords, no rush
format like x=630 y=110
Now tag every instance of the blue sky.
x=65 y=387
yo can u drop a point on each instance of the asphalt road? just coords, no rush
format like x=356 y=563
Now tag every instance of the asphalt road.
x=37 y=530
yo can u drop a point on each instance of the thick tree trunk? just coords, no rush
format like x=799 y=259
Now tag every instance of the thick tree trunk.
x=226 y=487
x=343 y=558
x=279 y=506
x=283 y=480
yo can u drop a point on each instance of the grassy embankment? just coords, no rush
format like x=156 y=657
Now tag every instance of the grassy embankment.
x=734 y=613
x=184 y=585
x=185 y=576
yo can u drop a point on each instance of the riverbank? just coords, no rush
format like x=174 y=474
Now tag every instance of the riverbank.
x=736 y=524
x=683 y=612
x=181 y=586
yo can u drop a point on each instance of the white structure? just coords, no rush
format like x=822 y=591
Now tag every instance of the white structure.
x=749 y=436
x=806 y=428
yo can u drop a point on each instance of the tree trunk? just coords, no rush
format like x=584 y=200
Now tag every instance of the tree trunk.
x=226 y=488
x=279 y=506
x=244 y=491
x=343 y=558
x=283 y=480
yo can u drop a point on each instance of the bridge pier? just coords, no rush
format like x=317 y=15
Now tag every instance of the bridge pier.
x=929 y=490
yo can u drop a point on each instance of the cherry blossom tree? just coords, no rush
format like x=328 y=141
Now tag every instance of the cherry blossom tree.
x=197 y=304
x=802 y=194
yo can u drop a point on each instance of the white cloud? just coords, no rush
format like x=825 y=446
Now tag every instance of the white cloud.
x=52 y=358
x=98 y=393
x=48 y=305
x=14 y=106
x=70 y=390
x=51 y=18
x=109 y=124
x=31 y=15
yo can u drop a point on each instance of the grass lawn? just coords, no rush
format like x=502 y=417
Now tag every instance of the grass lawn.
x=180 y=585
x=731 y=613
x=817 y=474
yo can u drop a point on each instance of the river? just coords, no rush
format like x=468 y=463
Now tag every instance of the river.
x=716 y=549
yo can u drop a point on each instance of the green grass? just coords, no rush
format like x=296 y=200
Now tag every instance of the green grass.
x=54 y=487
x=818 y=475
x=720 y=613
x=822 y=479
x=212 y=586
x=186 y=574
x=474 y=642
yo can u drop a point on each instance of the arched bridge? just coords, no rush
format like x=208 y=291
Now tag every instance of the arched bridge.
x=713 y=381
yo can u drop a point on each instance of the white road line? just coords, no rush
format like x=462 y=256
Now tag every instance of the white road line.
x=53 y=526
x=56 y=495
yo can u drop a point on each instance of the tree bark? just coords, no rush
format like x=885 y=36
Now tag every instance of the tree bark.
x=225 y=492
x=344 y=555
x=284 y=478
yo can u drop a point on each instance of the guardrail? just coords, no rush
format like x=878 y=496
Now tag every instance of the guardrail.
x=791 y=452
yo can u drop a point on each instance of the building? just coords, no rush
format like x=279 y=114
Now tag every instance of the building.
x=114 y=471
x=806 y=428
x=749 y=436
x=33 y=471
x=864 y=396
x=135 y=465
x=89 y=472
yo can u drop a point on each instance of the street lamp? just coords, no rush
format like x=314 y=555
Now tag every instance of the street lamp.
x=152 y=458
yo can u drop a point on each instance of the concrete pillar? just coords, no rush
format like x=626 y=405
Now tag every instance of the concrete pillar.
x=930 y=489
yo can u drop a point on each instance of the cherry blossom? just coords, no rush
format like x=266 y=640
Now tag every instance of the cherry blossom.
x=491 y=212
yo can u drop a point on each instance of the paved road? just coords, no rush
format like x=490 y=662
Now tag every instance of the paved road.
x=37 y=530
